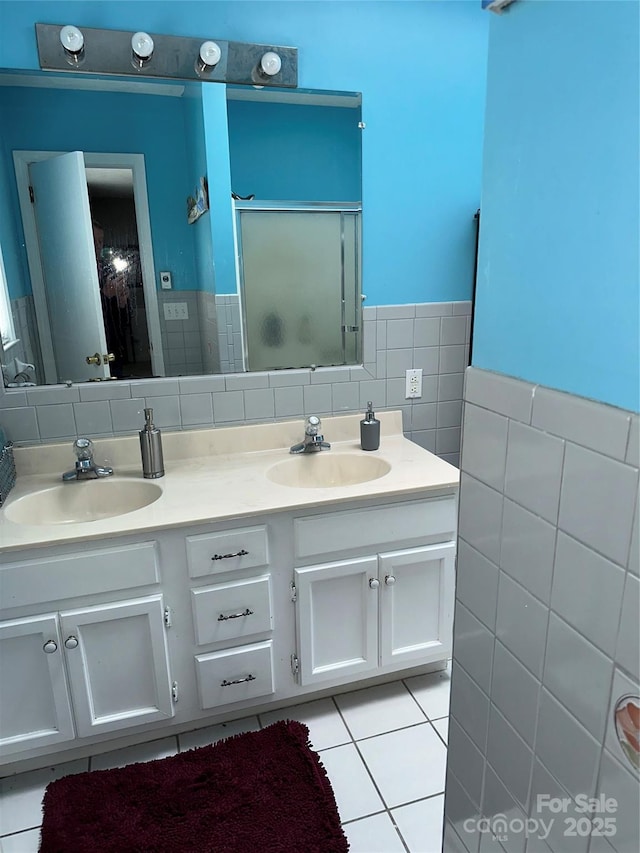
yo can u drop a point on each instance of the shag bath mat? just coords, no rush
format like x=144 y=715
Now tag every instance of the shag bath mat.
x=258 y=792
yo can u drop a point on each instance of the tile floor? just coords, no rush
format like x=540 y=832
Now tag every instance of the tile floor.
x=384 y=749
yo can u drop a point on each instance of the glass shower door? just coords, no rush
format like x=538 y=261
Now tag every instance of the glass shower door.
x=299 y=270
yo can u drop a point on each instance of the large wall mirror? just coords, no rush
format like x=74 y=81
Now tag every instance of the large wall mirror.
x=155 y=228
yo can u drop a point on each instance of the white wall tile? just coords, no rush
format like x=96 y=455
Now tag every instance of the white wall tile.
x=527 y=549
x=453 y=330
x=587 y=592
x=196 y=409
x=521 y=624
x=471 y=704
x=628 y=647
x=259 y=404
x=465 y=760
x=56 y=421
x=473 y=646
x=20 y=424
x=93 y=418
x=534 y=470
x=484 y=450
x=480 y=517
x=598 y=500
x=228 y=406
x=511 y=758
x=127 y=415
x=288 y=401
x=566 y=748
x=499 y=393
x=515 y=692
x=594 y=425
x=578 y=675
x=477 y=583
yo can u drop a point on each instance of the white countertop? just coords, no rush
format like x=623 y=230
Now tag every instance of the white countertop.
x=217 y=474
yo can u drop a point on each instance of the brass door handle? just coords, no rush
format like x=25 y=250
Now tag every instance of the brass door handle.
x=94 y=359
x=108 y=357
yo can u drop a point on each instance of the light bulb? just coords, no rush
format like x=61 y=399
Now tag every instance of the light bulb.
x=210 y=54
x=270 y=64
x=142 y=46
x=71 y=39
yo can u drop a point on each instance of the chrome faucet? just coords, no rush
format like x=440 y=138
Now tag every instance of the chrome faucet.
x=86 y=468
x=313 y=438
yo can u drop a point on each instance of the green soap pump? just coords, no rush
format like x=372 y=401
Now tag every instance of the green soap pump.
x=370 y=430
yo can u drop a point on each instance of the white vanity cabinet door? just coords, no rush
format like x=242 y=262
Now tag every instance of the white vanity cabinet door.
x=416 y=603
x=337 y=619
x=118 y=665
x=34 y=703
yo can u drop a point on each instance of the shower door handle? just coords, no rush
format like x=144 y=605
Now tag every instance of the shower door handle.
x=94 y=359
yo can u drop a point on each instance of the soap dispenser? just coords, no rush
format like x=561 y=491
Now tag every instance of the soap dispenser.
x=151 y=448
x=370 y=430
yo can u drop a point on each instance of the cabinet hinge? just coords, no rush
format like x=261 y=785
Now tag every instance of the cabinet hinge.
x=295 y=666
x=294 y=593
x=174 y=691
x=32 y=198
x=167 y=616
x=351 y=328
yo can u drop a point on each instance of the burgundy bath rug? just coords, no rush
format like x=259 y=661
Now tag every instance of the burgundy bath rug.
x=259 y=792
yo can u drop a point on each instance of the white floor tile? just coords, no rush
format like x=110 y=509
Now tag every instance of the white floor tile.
x=379 y=709
x=442 y=727
x=24 y=842
x=432 y=692
x=354 y=791
x=374 y=834
x=420 y=824
x=322 y=718
x=21 y=795
x=212 y=734
x=406 y=765
x=135 y=754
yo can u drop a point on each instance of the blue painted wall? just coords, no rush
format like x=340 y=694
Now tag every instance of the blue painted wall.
x=558 y=287
x=295 y=152
x=197 y=167
x=214 y=106
x=421 y=69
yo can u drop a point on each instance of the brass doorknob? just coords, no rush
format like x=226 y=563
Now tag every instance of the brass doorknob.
x=94 y=359
x=108 y=357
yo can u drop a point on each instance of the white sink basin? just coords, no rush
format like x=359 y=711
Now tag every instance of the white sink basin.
x=81 y=501
x=323 y=470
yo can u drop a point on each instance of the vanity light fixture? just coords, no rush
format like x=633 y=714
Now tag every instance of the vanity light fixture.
x=72 y=42
x=142 y=48
x=270 y=64
x=208 y=57
x=114 y=52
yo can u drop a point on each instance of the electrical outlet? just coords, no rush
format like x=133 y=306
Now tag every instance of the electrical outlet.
x=413 y=387
x=176 y=311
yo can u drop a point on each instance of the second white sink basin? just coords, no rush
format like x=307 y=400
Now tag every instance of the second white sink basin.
x=82 y=501
x=323 y=470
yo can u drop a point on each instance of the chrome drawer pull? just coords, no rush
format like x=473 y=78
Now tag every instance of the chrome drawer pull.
x=226 y=683
x=223 y=618
x=241 y=553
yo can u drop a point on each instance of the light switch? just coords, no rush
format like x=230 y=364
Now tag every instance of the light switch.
x=176 y=311
x=165 y=280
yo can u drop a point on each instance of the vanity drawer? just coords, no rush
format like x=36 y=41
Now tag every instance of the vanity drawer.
x=403 y=525
x=235 y=674
x=211 y=553
x=229 y=611
x=74 y=575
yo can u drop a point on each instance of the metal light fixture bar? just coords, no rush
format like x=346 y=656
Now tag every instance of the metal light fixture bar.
x=174 y=57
